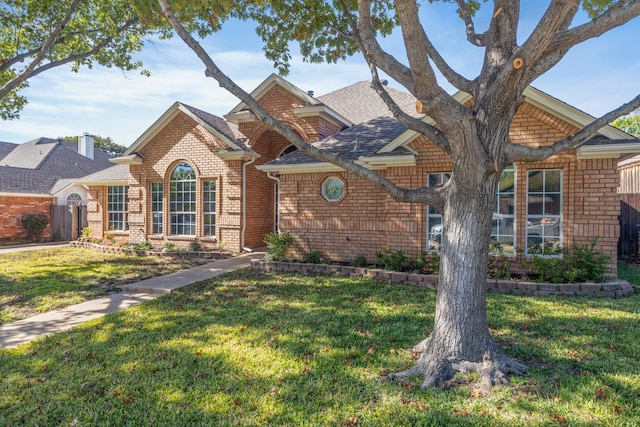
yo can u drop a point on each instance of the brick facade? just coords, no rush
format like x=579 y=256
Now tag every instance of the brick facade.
x=364 y=221
x=368 y=220
x=13 y=208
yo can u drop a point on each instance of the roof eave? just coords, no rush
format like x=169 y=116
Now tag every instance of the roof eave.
x=129 y=159
x=605 y=151
x=323 y=111
x=236 y=155
x=372 y=163
x=243 y=116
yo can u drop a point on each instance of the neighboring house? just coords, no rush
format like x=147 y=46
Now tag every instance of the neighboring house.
x=36 y=177
x=194 y=176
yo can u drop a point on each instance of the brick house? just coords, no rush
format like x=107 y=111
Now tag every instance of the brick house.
x=35 y=177
x=197 y=176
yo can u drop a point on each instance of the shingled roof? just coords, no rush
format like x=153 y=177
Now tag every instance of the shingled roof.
x=36 y=166
x=359 y=102
x=359 y=141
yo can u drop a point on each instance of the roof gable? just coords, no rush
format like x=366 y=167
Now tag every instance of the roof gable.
x=224 y=131
x=546 y=103
x=267 y=84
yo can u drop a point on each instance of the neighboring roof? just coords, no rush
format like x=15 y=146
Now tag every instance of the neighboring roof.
x=6 y=148
x=223 y=130
x=114 y=175
x=359 y=102
x=359 y=143
x=26 y=169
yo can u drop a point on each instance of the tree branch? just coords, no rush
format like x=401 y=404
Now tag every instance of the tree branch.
x=517 y=152
x=96 y=48
x=371 y=48
x=614 y=17
x=26 y=73
x=473 y=37
x=431 y=132
x=434 y=99
x=416 y=195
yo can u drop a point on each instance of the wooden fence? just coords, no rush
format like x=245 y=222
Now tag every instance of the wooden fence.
x=67 y=222
x=629 y=243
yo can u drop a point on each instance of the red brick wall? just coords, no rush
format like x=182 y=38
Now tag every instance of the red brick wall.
x=13 y=208
x=367 y=220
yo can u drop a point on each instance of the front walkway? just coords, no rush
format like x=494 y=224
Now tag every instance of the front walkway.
x=26 y=330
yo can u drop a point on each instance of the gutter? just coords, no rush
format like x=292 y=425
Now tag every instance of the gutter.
x=244 y=203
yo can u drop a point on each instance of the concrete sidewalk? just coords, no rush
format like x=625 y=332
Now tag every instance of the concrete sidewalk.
x=26 y=330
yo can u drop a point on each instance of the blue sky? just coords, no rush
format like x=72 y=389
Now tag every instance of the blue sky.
x=594 y=77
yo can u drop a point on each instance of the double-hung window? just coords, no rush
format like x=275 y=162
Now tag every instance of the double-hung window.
x=117 y=206
x=503 y=227
x=209 y=208
x=544 y=211
x=434 y=217
x=156 y=207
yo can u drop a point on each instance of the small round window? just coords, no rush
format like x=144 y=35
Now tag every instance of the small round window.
x=333 y=189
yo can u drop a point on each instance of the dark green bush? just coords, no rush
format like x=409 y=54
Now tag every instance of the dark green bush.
x=145 y=245
x=393 y=260
x=576 y=264
x=35 y=225
x=314 y=257
x=426 y=263
x=195 y=246
x=360 y=261
x=278 y=244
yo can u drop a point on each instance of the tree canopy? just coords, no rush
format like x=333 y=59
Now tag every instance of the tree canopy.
x=630 y=124
x=37 y=35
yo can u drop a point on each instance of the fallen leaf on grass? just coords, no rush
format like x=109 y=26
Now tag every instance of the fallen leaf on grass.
x=351 y=421
x=559 y=418
x=87 y=384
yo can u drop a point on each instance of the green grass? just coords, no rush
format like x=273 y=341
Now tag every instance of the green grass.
x=34 y=282
x=251 y=348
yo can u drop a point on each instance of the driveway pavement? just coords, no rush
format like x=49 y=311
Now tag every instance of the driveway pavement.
x=23 y=331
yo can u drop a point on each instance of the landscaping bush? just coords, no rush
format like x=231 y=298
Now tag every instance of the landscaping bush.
x=169 y=247
x=314 y=257
x=195 y=246
x=145 y=245
x=278 y=244
x=360 y=261
x=393 y=260
x=35 y=225
x=576 y=264
x=426 y=263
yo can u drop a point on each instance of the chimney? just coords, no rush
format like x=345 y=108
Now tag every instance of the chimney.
x=85 y=145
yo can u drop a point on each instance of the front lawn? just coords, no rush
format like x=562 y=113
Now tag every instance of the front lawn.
x=38 y=281
x=252 y=348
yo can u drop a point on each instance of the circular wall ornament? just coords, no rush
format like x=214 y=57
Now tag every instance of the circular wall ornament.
x=333 y=189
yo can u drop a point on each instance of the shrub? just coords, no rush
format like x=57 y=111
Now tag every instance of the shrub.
x=499 y=266
x=145 y=245
x=426 y=263
x=314 y=257
x=360 y=261
x=86 y=233
x=221 y=245
x=35 y=225
x=195 y=246
x=278 y=244
x=576 y=264
x=169 y=247
x=393 y=260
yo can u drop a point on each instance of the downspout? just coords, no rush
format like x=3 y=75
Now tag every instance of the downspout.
x=276 y=179
x=244 y=203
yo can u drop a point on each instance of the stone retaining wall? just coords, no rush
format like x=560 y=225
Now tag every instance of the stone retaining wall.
x=612 y=289
x=129 y=251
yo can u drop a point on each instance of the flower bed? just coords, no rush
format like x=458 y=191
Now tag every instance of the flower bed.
x=613 y=288
x=129 y=251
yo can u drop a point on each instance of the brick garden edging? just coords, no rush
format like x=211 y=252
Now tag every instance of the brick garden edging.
x=129 y=251
x=614 y=288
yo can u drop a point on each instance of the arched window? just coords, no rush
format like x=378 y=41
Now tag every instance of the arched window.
x=182 y=201
x=74 y=199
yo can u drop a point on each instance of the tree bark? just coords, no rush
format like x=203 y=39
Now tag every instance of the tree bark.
x=460 y=340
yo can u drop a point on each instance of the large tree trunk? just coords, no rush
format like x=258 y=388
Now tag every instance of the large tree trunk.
x=460 y=340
